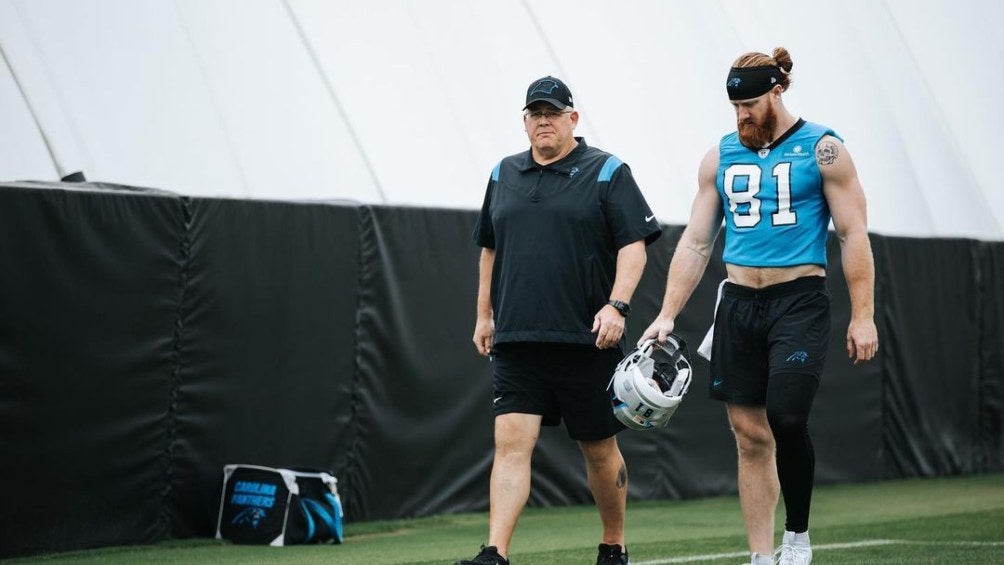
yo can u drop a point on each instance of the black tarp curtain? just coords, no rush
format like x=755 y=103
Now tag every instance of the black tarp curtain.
x=147 y=339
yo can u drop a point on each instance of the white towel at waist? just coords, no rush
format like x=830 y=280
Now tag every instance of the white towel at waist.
x=704 y=350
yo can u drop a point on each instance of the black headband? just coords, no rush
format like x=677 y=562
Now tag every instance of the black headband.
x=745 y=83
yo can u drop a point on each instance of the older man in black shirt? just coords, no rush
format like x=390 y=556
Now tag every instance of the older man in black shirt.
x=563 y=231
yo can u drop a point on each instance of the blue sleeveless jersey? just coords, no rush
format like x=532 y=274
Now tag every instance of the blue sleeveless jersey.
x=775 y=211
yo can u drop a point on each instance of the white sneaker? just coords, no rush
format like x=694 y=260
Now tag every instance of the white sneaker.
x=757 y=559
x=795 y=549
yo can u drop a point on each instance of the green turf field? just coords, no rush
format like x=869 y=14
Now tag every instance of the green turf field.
x=953 y=520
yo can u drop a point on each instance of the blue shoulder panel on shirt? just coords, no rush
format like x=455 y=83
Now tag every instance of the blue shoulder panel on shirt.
x=495 y=171
x=607 y=172
x=834 y=134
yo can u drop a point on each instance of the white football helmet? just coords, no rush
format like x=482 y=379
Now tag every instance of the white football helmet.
x=648 y=385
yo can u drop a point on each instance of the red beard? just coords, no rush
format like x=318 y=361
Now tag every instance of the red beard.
x=756 y=135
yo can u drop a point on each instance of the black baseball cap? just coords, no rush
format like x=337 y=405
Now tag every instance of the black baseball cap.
x=550 y=90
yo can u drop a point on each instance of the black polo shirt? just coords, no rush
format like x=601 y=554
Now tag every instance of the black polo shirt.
x=556 y=231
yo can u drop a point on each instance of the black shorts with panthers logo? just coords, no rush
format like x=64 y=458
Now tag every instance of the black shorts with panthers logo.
x=759 y=332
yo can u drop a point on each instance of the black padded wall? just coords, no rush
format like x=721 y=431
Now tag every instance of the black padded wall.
x=990 y=311
x=425 y=408
x=930 y=355
x=87 y=317
x=266 y=370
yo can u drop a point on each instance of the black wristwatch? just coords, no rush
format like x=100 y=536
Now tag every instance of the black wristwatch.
x=623 y=307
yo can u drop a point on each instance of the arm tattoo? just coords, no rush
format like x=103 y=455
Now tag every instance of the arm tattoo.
x=826 y=153
x=622 y=477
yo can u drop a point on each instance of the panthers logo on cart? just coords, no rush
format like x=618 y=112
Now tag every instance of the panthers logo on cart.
x=250 y=515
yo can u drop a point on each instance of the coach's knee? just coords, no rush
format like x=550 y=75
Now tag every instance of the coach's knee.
x=516 y=435
x=602 y=451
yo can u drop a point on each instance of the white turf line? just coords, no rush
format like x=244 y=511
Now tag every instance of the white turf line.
x=849 y=545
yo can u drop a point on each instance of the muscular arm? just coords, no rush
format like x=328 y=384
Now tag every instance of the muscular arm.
x=608 y=324
x=693 y=250
x=848 y=208
x=484 y=328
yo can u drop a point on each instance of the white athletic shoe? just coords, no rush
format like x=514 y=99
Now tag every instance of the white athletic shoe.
x=757 y=559
x=795 y=549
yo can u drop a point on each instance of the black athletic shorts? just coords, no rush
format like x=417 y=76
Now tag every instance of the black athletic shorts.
x=558 y=381
x=782 y=328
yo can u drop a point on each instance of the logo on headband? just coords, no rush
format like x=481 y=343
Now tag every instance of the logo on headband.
x=544 y=87
x=733 y=82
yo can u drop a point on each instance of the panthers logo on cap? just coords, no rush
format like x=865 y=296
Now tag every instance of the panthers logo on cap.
x=544 y=87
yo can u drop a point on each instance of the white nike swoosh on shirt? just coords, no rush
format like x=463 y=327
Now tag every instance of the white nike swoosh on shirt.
x=496 y=401
x=649 y=218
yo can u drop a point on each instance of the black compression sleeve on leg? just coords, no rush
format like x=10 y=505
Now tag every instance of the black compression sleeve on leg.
x=789 y=400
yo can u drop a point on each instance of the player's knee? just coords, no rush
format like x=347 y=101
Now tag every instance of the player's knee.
x=786 y=424
x=753 y=441
x=789 y=399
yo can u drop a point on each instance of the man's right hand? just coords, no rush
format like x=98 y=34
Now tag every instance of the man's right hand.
x=484 y=333
x=659 y=329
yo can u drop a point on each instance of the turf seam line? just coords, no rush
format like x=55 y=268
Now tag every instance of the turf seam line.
x=827 y=546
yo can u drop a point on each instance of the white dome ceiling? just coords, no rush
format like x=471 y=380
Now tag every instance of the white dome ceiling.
x=413 y=102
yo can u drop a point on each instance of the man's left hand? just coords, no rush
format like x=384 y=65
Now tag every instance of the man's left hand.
x=608 y=325
x=862 y=340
